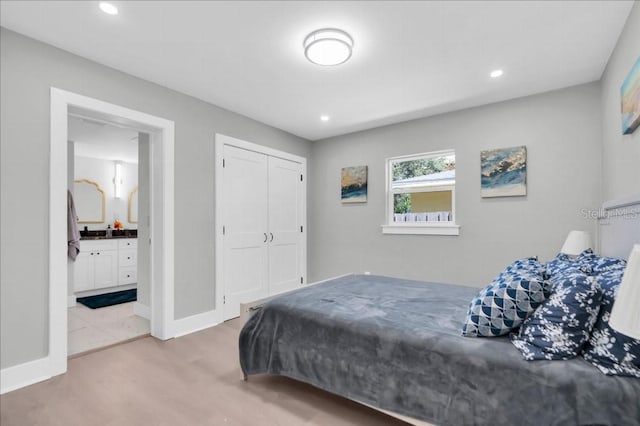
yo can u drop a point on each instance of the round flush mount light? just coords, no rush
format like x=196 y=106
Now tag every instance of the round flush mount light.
x=328 y=47
x=108 y=8
x=324 y=118
x=496 y=73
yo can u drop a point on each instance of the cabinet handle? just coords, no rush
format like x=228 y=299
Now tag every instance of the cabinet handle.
x=91 y=253
x=128 y=258
x=271 y=240
x=98 y=253
x=265 y=237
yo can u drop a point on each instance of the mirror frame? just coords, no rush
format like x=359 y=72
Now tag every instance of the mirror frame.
x=99 y=189
x=130 y=210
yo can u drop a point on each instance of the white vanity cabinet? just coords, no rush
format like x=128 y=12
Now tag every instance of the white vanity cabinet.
x=105 y=263
x=127 y=261
x=96 y=265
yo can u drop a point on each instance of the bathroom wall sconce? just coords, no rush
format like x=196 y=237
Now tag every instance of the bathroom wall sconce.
x=117 y=180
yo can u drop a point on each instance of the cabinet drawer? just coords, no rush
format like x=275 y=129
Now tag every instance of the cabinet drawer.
x=128 y=243
x=128 y=258
x=97 y=245
x=128 y=276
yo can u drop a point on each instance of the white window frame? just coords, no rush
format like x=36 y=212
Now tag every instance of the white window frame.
x=419 y=228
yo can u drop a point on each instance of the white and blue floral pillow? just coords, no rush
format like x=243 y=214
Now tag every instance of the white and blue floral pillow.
x=612 y=352
x=505 y=303
x=598 y=264
x=561 y=325
x=563 y=264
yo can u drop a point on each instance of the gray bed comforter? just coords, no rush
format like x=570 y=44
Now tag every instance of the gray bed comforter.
x=396 y=344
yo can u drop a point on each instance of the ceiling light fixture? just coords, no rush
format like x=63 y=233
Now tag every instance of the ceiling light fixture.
x=328 y=47
x=496 y=73
x=108 y=8
x=324 y=117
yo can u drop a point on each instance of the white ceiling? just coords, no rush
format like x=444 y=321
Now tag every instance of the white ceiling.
x=411 y=59
x=97 y=139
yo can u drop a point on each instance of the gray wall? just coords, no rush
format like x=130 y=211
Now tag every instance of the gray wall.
x=561 y=131
x=620 y=153
x=28 y=70
x=144 y=222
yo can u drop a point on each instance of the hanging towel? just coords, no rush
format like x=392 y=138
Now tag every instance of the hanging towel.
x=73 y=235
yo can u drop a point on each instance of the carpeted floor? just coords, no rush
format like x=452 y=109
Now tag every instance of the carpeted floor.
x=190 y=380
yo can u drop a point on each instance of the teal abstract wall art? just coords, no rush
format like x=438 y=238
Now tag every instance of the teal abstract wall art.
x=630 y=97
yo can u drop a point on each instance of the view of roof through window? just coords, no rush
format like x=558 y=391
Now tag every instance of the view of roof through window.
x=422 y=188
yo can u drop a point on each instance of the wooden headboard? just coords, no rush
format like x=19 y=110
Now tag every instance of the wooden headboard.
x=619 y=227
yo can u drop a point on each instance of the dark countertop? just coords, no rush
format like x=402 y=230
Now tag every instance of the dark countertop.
x=103 y=237
x=102 y=234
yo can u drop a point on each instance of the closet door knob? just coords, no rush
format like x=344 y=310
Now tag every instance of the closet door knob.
x=271 y=237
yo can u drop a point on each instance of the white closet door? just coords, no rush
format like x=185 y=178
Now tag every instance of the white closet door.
x=285 y=221
x=246 y=268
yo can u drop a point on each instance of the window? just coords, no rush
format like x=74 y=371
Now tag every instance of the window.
x=421 y=194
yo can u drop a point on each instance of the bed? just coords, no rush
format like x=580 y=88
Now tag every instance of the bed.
x=396 y=345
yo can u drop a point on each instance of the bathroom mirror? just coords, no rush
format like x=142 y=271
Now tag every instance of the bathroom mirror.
x=89 y=201
x=133 y=205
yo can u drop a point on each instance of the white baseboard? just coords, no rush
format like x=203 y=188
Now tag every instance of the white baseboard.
x=194 y=323
x=142 y=310
x=25 y=374
x=71 y=301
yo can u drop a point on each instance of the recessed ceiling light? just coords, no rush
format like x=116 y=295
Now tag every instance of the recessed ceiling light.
x=328 y=46
x=324 y=117
x=496 y=73
x=108 y=8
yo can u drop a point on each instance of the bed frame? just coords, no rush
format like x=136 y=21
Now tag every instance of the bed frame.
x=617 y=230
x=247 y=308
x=619 y=226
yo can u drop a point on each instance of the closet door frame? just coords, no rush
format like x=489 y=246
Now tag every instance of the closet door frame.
x=220 y=141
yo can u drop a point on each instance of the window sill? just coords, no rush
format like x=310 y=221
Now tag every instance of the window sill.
x=422 y=229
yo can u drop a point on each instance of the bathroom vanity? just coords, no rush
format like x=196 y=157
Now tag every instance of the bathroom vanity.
x=105 y=263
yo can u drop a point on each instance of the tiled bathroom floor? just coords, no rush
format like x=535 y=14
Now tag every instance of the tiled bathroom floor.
x=95 y=328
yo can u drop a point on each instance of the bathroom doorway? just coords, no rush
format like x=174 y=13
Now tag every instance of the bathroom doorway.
x=160 y=216
x=108 y=179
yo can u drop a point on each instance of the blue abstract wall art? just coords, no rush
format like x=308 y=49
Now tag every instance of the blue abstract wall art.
x=630 y=96
x=354 y=184
x=503 y=172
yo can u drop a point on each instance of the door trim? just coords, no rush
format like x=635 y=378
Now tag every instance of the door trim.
x=220 y=141
x=161 y=210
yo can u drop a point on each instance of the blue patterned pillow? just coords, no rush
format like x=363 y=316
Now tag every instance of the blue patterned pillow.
x=563 y=264
x=612 y=352
x=505 y=303
x=561 y=325
x=526 y=264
